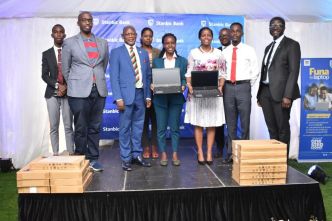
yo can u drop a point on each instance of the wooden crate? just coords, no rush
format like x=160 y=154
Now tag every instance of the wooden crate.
x=34 y=189
x=73 y=189
x=70 y=173
x=58 y=163
x=78 y=178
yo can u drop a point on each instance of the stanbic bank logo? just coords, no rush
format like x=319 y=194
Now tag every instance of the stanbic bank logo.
x=95 y=21
x=151 y=22
x=203 y=23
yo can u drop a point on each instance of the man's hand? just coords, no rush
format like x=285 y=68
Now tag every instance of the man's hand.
x=62 y=90
x=148 y=103
x=120 y=105
x=286 y=102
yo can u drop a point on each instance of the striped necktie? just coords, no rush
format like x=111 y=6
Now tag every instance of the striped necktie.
x=134 y=62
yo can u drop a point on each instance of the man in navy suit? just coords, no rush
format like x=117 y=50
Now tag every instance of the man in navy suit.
x=278 y=85
x=56 y=90
x=84 y=63
x=130 y=81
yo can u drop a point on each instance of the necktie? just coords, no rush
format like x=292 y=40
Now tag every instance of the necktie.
x=134 y=62
x=267 y=62
x=233 y=67
x=60 y=76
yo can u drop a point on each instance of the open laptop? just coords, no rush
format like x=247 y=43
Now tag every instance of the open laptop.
x=205 y=84
x=322 y=106
x=166 y=80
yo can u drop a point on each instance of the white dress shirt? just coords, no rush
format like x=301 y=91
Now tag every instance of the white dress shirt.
x=246 y=63
x=169 y=63
x=276 y=45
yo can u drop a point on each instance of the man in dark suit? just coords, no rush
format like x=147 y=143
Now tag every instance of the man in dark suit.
x=225 y=41
x=84 y=63
x=130 y=81
x=55 y=93
x=278 y=85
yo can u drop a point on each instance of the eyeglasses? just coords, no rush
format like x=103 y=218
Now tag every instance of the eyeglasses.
x=276 y=26
x=86 y=20
x=130 y=34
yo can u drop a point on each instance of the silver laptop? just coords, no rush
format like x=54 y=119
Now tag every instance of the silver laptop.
x=166 y=80
x=322 y=106
x=205 y=84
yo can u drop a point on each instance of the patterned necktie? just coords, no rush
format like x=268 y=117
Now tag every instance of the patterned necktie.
x=60 y=76
x=134 y=62
x=233 y=67
x=266 y=67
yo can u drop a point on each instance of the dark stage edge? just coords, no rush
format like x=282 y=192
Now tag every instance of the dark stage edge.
x=188 y=192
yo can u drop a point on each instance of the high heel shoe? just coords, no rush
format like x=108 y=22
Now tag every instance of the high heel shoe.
x=200 y=162
x=208 y=162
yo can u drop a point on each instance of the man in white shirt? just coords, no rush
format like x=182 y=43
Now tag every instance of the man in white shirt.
x=242 y=72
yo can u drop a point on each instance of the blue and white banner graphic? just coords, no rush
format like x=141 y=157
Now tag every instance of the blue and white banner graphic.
x=316 y=110
x=109 y=25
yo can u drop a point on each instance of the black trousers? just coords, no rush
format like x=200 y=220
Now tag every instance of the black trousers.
x=276 y=117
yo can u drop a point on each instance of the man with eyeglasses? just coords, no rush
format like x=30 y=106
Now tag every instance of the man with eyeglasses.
x=130 y=81
x=278 y=85
x=84 y=63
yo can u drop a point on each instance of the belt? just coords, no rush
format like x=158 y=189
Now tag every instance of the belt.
x=237 y=82
x=263 y=84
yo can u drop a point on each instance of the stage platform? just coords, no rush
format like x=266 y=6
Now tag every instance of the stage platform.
x=188 y=192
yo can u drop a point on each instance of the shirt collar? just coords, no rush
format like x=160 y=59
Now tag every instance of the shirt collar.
x=279 y=39
x=128 y=46
x=174 y=55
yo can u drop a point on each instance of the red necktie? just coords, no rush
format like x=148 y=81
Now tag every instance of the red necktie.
x=233 y=68
x=134 y=62
x=60 y=76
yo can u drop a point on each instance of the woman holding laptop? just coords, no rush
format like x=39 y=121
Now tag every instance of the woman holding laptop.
x=169 y=106
x=205 y=112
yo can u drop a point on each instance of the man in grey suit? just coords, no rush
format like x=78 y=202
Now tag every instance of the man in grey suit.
x=278 y=85
x=84 y=63
x=55 y=93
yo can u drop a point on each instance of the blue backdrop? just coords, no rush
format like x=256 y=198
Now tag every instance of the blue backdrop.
x=316 y=125
x=109 y=25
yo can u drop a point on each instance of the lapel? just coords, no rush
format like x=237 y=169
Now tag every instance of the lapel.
x=82 y=47
x=127 y=57
x=177 y=62
x=280 y=46
x=139 y=52
x=53 y=60
x=99 y=48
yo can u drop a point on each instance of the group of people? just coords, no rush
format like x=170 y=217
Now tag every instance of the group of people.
x=317 y=95
x=74 y=70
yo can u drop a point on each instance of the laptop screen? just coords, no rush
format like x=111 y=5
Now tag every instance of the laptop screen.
x=166 y=76
x=204 y=78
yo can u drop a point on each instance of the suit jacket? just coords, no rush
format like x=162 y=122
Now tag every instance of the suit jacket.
x=49 y=71
x=284 y=70
x=77 y=69
x=161 y=99
x=122 y=74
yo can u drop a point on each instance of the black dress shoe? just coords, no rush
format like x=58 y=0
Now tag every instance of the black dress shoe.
x=139 y=161
x=126 y=166
x=228 y=160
